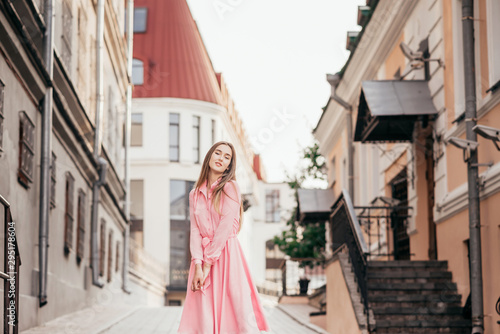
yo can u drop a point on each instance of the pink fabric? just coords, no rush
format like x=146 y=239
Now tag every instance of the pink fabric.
x=229 y=302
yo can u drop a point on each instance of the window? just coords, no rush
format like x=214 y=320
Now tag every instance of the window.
x=137 y=72
x=272 y=205
x=80 y=237
x=67 y=19
x=174 y=137
x=102 y=248
x=140 y=19
x=53 y=182
x=493 y=26
x=136 y=130
x=213 y=132
x=137 y=208
x=180 y=256
x=117 y=256
x=110 y=255
x=26 y=149
x=68 y=213
x=1 y=115
x=196 y=139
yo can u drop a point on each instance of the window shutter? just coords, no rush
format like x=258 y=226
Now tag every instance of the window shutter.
x=69 y=218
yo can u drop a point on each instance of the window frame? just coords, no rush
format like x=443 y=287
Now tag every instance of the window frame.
x=273 y=214
x=177 y=146
x=196 y=139
x=137 y=125
x=69 y=217
x=53 y=181
x=137 y=64
x=80 y=236
x=27 y=143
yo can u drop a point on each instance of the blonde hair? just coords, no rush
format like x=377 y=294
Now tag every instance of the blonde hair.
x=228 y=175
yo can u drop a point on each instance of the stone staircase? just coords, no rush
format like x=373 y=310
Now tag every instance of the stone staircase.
x=414 y=297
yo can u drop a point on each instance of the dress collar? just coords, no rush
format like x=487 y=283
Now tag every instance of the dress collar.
x=203 y=187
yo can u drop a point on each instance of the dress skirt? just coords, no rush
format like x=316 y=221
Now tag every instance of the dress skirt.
x=229 y=304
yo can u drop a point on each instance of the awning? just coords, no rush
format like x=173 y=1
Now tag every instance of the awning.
x=388 y=109
x=315 y=204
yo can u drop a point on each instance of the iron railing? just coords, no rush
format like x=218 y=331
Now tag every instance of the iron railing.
x=295 y=270
x=10 y=273
x=346 y=231
x=382 y=225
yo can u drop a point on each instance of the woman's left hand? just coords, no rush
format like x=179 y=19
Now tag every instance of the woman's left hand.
x=206 y=271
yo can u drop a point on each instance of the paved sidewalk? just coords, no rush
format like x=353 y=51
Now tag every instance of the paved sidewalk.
x=124 y=319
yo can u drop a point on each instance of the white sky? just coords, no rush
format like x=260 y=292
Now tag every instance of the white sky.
x=274 y=56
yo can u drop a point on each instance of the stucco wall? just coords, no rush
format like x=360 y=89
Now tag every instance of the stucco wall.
x=340 y=317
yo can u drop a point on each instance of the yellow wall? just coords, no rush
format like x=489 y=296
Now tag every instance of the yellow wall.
x=483 y=48
x=451 y=237
x=340 y=317
x=457 y=168
x=395 y=60
x=449 y=94
x=338 y=152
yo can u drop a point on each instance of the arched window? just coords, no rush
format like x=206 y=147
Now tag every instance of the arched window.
x=137 y=72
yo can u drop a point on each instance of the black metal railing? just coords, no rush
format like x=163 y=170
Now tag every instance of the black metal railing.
x=10 y=273
x=385 y=230
x=346 y=232
x=301 y=276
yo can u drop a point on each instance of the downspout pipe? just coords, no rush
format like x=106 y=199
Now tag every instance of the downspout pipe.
x=126 y=237
x=46 y=154
x=476 y=271
x=334 y=81
x=102 y=164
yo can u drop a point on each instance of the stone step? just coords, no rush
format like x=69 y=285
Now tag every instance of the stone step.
x=408 y=264
x=420 y=280
x=415 y=304
x=418 y=317
x=441 y=309
x=408 y=274
x=415 y=298
x=437 y=324
x=423 y=330
x=413 y=287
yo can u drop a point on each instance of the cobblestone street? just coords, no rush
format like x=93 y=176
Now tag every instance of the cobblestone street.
x=290 y=319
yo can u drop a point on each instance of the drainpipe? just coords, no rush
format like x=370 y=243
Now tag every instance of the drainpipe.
x=101 y=162
x=46 y=154
x=476 y=276
x=334 y=80
x=126 y=237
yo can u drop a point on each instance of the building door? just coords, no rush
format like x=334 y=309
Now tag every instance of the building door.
x=399 y=217
x=180 y=255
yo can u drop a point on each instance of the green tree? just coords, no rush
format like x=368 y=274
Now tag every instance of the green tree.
x=305 y=240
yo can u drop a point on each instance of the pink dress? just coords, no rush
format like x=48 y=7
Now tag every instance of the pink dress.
x=228 y=302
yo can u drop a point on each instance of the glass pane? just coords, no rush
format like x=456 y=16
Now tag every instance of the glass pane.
x=174 y=135
x=137 y=72
x=140 y=19
x=136 y=118
x=174 y=154
x=178 y=202
x=174 y=118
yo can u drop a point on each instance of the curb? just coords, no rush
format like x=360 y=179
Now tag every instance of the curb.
x=310 y=326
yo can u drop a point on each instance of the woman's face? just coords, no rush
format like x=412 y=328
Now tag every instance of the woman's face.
x=220 y=159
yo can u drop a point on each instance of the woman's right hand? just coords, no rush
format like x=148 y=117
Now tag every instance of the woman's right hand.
x=197 y=278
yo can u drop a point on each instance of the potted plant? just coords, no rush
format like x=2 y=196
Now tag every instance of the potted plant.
x=301 y=241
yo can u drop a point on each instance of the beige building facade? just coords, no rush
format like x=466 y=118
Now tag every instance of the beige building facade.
x=424 y=167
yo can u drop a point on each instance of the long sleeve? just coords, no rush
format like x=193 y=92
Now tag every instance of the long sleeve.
x=230 y=212
x=195 y=237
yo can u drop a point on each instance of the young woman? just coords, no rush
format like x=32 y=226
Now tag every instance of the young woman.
x=221 y=296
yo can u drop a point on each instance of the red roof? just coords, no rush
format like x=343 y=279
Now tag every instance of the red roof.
x=176 y=62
